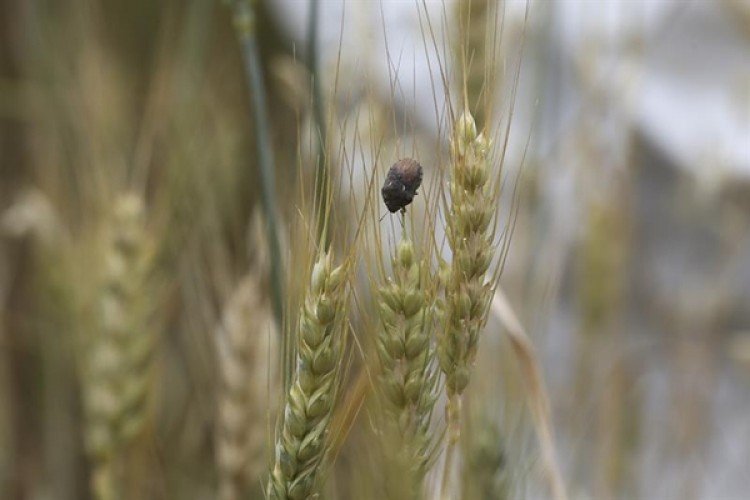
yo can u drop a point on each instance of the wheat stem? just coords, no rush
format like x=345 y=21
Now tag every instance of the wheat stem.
x=321 y=171
x=244 y=23
x=453 y=417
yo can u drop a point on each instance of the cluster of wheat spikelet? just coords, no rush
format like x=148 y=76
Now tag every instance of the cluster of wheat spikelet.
x=116 y=376
x=247 y=339
x=304 y=436
x=467 y=293
x=407 y=375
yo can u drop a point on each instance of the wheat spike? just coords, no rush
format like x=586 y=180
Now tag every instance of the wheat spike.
x=467 y=295
x=247 y=339
x=408 y=377
x=464 y=312
x=304 y=437
x=116 y=376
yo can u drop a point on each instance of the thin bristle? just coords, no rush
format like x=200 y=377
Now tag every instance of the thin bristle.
x=464 y=311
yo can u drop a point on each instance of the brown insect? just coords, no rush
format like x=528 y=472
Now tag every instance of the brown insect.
x=401 y=184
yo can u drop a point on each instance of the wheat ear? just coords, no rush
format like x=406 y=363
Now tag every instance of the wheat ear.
x=116 y=376
x=247 y=347
x=407 y=371
x=302 y=444
x=467 y=294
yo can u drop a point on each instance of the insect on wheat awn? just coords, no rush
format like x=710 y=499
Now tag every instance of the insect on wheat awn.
x=401 y=184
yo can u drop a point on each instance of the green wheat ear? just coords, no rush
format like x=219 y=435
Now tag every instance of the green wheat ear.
x=407 y=378
x=117 y=371
x=464 y=311
x=304 y=438
x=467 y=295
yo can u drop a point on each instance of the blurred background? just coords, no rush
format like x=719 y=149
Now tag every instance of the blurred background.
x=130 y=202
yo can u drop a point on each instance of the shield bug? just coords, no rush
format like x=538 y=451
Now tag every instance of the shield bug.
x=401 y=184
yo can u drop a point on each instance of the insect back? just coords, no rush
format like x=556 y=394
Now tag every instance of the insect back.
x=401 y=184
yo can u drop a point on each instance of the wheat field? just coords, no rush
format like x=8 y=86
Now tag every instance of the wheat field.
x=236 y=264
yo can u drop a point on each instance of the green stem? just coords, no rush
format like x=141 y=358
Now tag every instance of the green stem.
x=244 y=22
x=453 y=417
x=321 y=173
